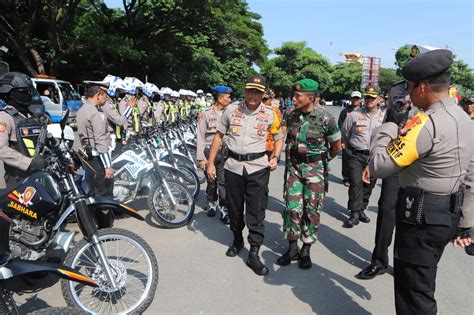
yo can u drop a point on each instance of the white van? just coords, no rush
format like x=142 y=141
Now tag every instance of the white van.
x=58 y=96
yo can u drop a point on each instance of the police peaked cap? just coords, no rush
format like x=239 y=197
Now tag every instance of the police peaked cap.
x=427 y=65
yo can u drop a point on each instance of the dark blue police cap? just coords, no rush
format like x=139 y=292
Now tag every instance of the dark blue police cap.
x=222 y=89
x=427 y=65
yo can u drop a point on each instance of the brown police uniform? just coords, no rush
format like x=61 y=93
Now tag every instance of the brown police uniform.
x=93 y=130
x=206 y=130
x=247 y=168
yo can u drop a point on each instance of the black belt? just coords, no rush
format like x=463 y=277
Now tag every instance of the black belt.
x=364 y=152
x=245 y=157
x=305 y=158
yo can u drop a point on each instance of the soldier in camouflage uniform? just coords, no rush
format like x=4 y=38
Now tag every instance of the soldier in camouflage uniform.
x=312 y=132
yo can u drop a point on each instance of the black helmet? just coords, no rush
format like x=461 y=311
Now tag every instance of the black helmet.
x=14 y=80
x=17 y=89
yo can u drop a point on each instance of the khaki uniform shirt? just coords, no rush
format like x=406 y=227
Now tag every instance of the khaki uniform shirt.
x=431 y=151
x=359 y=126
x=92 y=128
x=206 y=130
x=247 y=133
x=113 y=115
x=159 y=111
x=8 y=133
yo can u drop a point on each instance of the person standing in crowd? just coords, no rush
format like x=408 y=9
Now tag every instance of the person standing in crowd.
x=110 y=109
x=206 y=130
x=355 y=102
x=431 y=155
x=93 y=132
x=16 y=110
x=468 y=106
x=268 y=101
x=398 y=112
x=356 y=132
x=247 y=170
x=312 y=132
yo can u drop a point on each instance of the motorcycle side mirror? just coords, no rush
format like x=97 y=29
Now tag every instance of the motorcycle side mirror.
x=64 y=120
x=63 y=123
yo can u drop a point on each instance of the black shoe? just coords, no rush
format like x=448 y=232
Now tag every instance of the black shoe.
x=353 y=219
x=470 y=249
x=305 y=258
x=363 y=217
x=288 y=257
x=212 y=208
x=234 y=249
x=371 y=272
x=254 y=262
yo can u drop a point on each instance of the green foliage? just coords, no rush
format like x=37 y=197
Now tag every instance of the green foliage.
x=402 y=56
x=176 y=43
x=346 y=78
x=295 y=61
x=388 y=77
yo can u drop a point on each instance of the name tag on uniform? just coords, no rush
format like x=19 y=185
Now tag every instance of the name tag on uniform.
x=360 y=128
x=262 y=116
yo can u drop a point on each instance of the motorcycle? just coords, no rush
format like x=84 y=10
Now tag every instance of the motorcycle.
x=139 y=173
x=39 y=207
x=11 y=270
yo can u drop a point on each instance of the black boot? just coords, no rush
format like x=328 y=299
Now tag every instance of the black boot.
x=292 y=254
x=305 y=259
x=353 y=219
x=254 y=262
x=236 y=246
x=363 y=217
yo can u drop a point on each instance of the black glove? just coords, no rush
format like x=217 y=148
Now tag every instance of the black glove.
x=37 y=164
x=463 y=233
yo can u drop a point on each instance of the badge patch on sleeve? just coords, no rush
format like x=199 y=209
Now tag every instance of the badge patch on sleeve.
x=403 y=149
x=3 y=127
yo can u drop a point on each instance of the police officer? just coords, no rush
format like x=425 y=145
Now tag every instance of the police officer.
x=145 y=104
x=165 y=103
x=206 y=129
x=311 y=132
x=116 y=121
x=247 y=170
x=355 y=102
x=356 y=132
x=431 y=155
x=92 y=128
x=468 y=106
x=19 y=130
x=397 y=112
x=133 y=124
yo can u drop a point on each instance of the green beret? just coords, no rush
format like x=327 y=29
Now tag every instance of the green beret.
x=306 y=85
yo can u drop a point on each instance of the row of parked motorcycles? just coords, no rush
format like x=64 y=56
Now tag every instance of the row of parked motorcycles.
x=109 y=270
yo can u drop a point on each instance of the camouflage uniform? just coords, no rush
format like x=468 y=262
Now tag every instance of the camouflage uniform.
x=308 y=135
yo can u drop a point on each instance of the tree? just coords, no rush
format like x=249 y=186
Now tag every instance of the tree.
x=346 y=78
x=462 y=77
x=402 y=56
x=177 y=43
x=388 y=77
x=37 y=31
x=295 y=61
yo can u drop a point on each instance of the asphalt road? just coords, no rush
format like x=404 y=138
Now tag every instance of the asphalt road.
x=197 y=278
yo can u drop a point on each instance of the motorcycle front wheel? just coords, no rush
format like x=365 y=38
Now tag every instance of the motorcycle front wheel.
x=134 y=268
x=185 y=176
x=161 y=206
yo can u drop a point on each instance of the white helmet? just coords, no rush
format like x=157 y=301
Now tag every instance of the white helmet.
x=175 y=94
x=200 y=92
x=149 y=88
x=131 y=85
x=166 y=91
x=115 y=83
